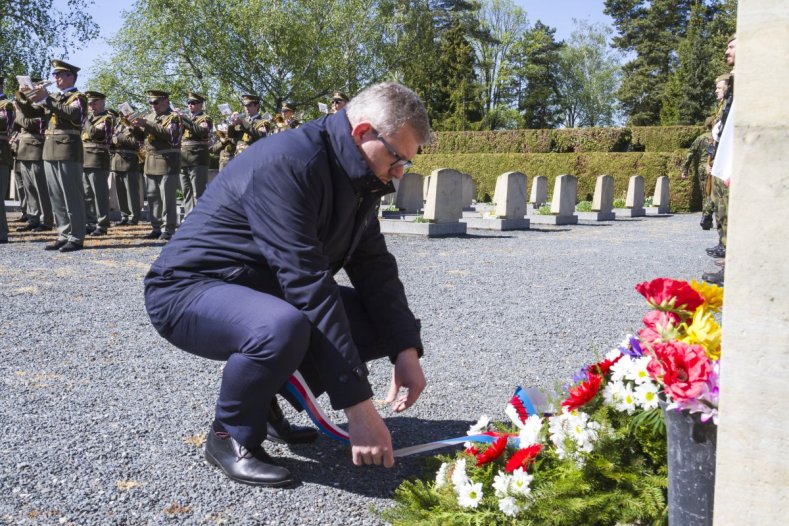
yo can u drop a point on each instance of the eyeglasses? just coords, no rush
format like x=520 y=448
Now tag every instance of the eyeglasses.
x=61 y=73
x=192 y=102
x=399 y=161
x=337 y=102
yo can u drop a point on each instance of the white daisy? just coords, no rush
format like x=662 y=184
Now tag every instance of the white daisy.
x=441 y=475
x=521 y=481
x=530 y=432
x=470 y=495
x=501 y=483
x=647 y=395
x=480 y=427
x=509 y=507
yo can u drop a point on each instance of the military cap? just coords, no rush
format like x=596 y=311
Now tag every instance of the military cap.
x=339 y=95
x=154 y=95
x=287 y=106
x=95 y=95
x=194 y=96
x=723 y=78
x=59 y=65
x=246 y=99
x=733 y=37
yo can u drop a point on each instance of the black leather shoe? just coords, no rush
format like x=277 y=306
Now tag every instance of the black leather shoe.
x=716 y=278
x=706 y=222
x=71 y=247
x=252 y=467
x=89 y=229
x=22 y=219
x=27 y=228
x=165 y=236
x=153 y=234
x=133 y=222
x=718 y=251
x=280 y=431
x=123 y=222
x=98 y=232
x=56 y=245
x=42 y=228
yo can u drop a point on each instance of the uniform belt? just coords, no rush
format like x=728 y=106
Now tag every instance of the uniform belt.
x=63 y=132
x=171 y=150
x=25 y=133
x=195 y=143
x=130 y=152
x=96 y=146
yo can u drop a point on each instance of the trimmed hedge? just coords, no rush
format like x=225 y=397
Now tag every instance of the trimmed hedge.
x=486 y=167
x=569 y=140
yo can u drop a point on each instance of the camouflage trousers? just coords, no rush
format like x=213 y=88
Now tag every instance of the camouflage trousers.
x=707 y=204
x=720 y=198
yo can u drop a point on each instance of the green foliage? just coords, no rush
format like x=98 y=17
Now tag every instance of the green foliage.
x=545 y=209
x=620 y=202
x=664 y=138
x=486 y=167
x=584 y=206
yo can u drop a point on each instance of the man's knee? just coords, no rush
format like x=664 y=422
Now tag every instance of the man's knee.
x=285 y=337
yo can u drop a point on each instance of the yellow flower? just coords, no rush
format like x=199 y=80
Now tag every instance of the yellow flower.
x=712 y=294
x=705 y=331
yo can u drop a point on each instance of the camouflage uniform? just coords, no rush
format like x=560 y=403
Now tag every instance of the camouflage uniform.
x=695 y=166
x=720 y=192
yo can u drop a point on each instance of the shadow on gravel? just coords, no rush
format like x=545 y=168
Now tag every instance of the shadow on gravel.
x=143 y=244
x=329 y=464
x=548 y=230
x=592 y=224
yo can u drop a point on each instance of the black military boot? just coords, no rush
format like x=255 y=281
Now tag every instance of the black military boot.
x=716 y=278
x=706 y=222
x=718 y=251
x=283 y=432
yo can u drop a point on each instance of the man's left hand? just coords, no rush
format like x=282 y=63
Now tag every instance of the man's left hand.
x=407 y=373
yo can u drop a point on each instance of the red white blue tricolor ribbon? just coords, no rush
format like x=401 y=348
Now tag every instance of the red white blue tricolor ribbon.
x=530 y=399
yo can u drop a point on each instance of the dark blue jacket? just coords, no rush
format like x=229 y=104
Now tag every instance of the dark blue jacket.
x=283 y=218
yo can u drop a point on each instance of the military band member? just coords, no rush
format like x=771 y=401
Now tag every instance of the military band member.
x=224 y=146
x=96 y=139
x=195 y=142
x=288 y=113
x=338 y=101
x=29 y=144
x=127 y=141
x=6 y=127
x=249 y=129
x=162 y=129
x=64 y=112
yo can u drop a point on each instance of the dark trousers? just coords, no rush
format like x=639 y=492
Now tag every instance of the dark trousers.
x=262 y=338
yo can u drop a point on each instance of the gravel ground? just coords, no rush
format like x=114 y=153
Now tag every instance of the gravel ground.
x=103 y=421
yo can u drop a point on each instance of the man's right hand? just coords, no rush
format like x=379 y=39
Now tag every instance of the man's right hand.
x=371 y=442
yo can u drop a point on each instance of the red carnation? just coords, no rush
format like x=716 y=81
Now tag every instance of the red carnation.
x=472 y=450
x=682 y=368
x=604 y=366
x=583 y=393
x=522 y=458
x=665 y=293
x=493 y=452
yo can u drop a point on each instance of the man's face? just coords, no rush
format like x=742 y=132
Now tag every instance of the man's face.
x=96 y=105
x=63 y=79
x=252 y=108
x=338 y=104
x=730 y=51
x=195 y=106
x=720 y=90
x=161 y=105
x=382 y=154
x=287 y=114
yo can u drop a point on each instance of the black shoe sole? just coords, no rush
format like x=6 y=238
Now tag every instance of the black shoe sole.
x=279 y=484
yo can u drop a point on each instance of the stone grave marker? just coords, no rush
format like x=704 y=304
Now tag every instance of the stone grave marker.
x=510 y=209
x=409 y=193
x=602 y=202
x=563 y=204
x=660 y=200
x=539 y=191
x=469 y=191
x=634 y=202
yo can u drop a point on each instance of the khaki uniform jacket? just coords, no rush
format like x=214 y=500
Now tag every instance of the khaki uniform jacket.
x=96 y=139
x=7 y=117
x=64 y=114
x=125 y=148
x=247 y=131
x=30 y=139
x=196 y=140
x=162 y=143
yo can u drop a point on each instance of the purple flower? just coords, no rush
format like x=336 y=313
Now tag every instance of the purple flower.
x=631 y=347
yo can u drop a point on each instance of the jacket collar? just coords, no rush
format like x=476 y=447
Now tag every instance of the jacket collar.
x=350 y=158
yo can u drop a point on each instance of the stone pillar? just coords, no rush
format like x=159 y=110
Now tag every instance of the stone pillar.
x=603 y=200
x=635 y=197
x=660 y=200
x=752 y=479
x=469 y=191
x=510 y=196
x=539 y=191
x=444 y=199
x=565 y=190
x=409 y=193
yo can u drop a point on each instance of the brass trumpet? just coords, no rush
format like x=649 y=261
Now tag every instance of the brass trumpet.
x=27 y=89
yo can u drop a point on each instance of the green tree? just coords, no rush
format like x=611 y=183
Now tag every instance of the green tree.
x=32 y=32
x=461 y=95
x=536 y=82
x=590 y=74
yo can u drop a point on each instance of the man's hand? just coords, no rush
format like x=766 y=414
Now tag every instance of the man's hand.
x=684 y=174
x=370 y=439
x=407 y=373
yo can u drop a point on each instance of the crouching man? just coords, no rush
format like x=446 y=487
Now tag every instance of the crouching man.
x=249 y=279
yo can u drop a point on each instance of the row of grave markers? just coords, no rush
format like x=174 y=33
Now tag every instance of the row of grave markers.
x=446 y=197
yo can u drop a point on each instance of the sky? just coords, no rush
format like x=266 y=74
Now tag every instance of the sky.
x=107 y=14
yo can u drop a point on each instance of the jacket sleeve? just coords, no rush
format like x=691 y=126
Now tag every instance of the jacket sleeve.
x=169 y=130
x=373 y=273
x=74 y=111
x=282 y=207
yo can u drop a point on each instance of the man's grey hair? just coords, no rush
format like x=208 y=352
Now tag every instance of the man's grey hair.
x=389 y=107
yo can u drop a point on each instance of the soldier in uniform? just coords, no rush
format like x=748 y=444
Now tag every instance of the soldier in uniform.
x=29 y=143
x=696 y=165
x=224 y=146
x=125 y=166
x=64 y=113
x=288 y=113
x=96 y=139
x=248 y=129
x=194 y=151
x=6 y=127
x=338 y=101
x=162 y=129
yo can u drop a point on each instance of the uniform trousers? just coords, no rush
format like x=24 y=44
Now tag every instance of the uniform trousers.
x=720 y=196
x=160 y=191
x=96 y=188
x=5 y=181
x=193 y=181
x=127 y=186
x=35 y=183
x=21 y=194
x=64 y=182
x=262 y=338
